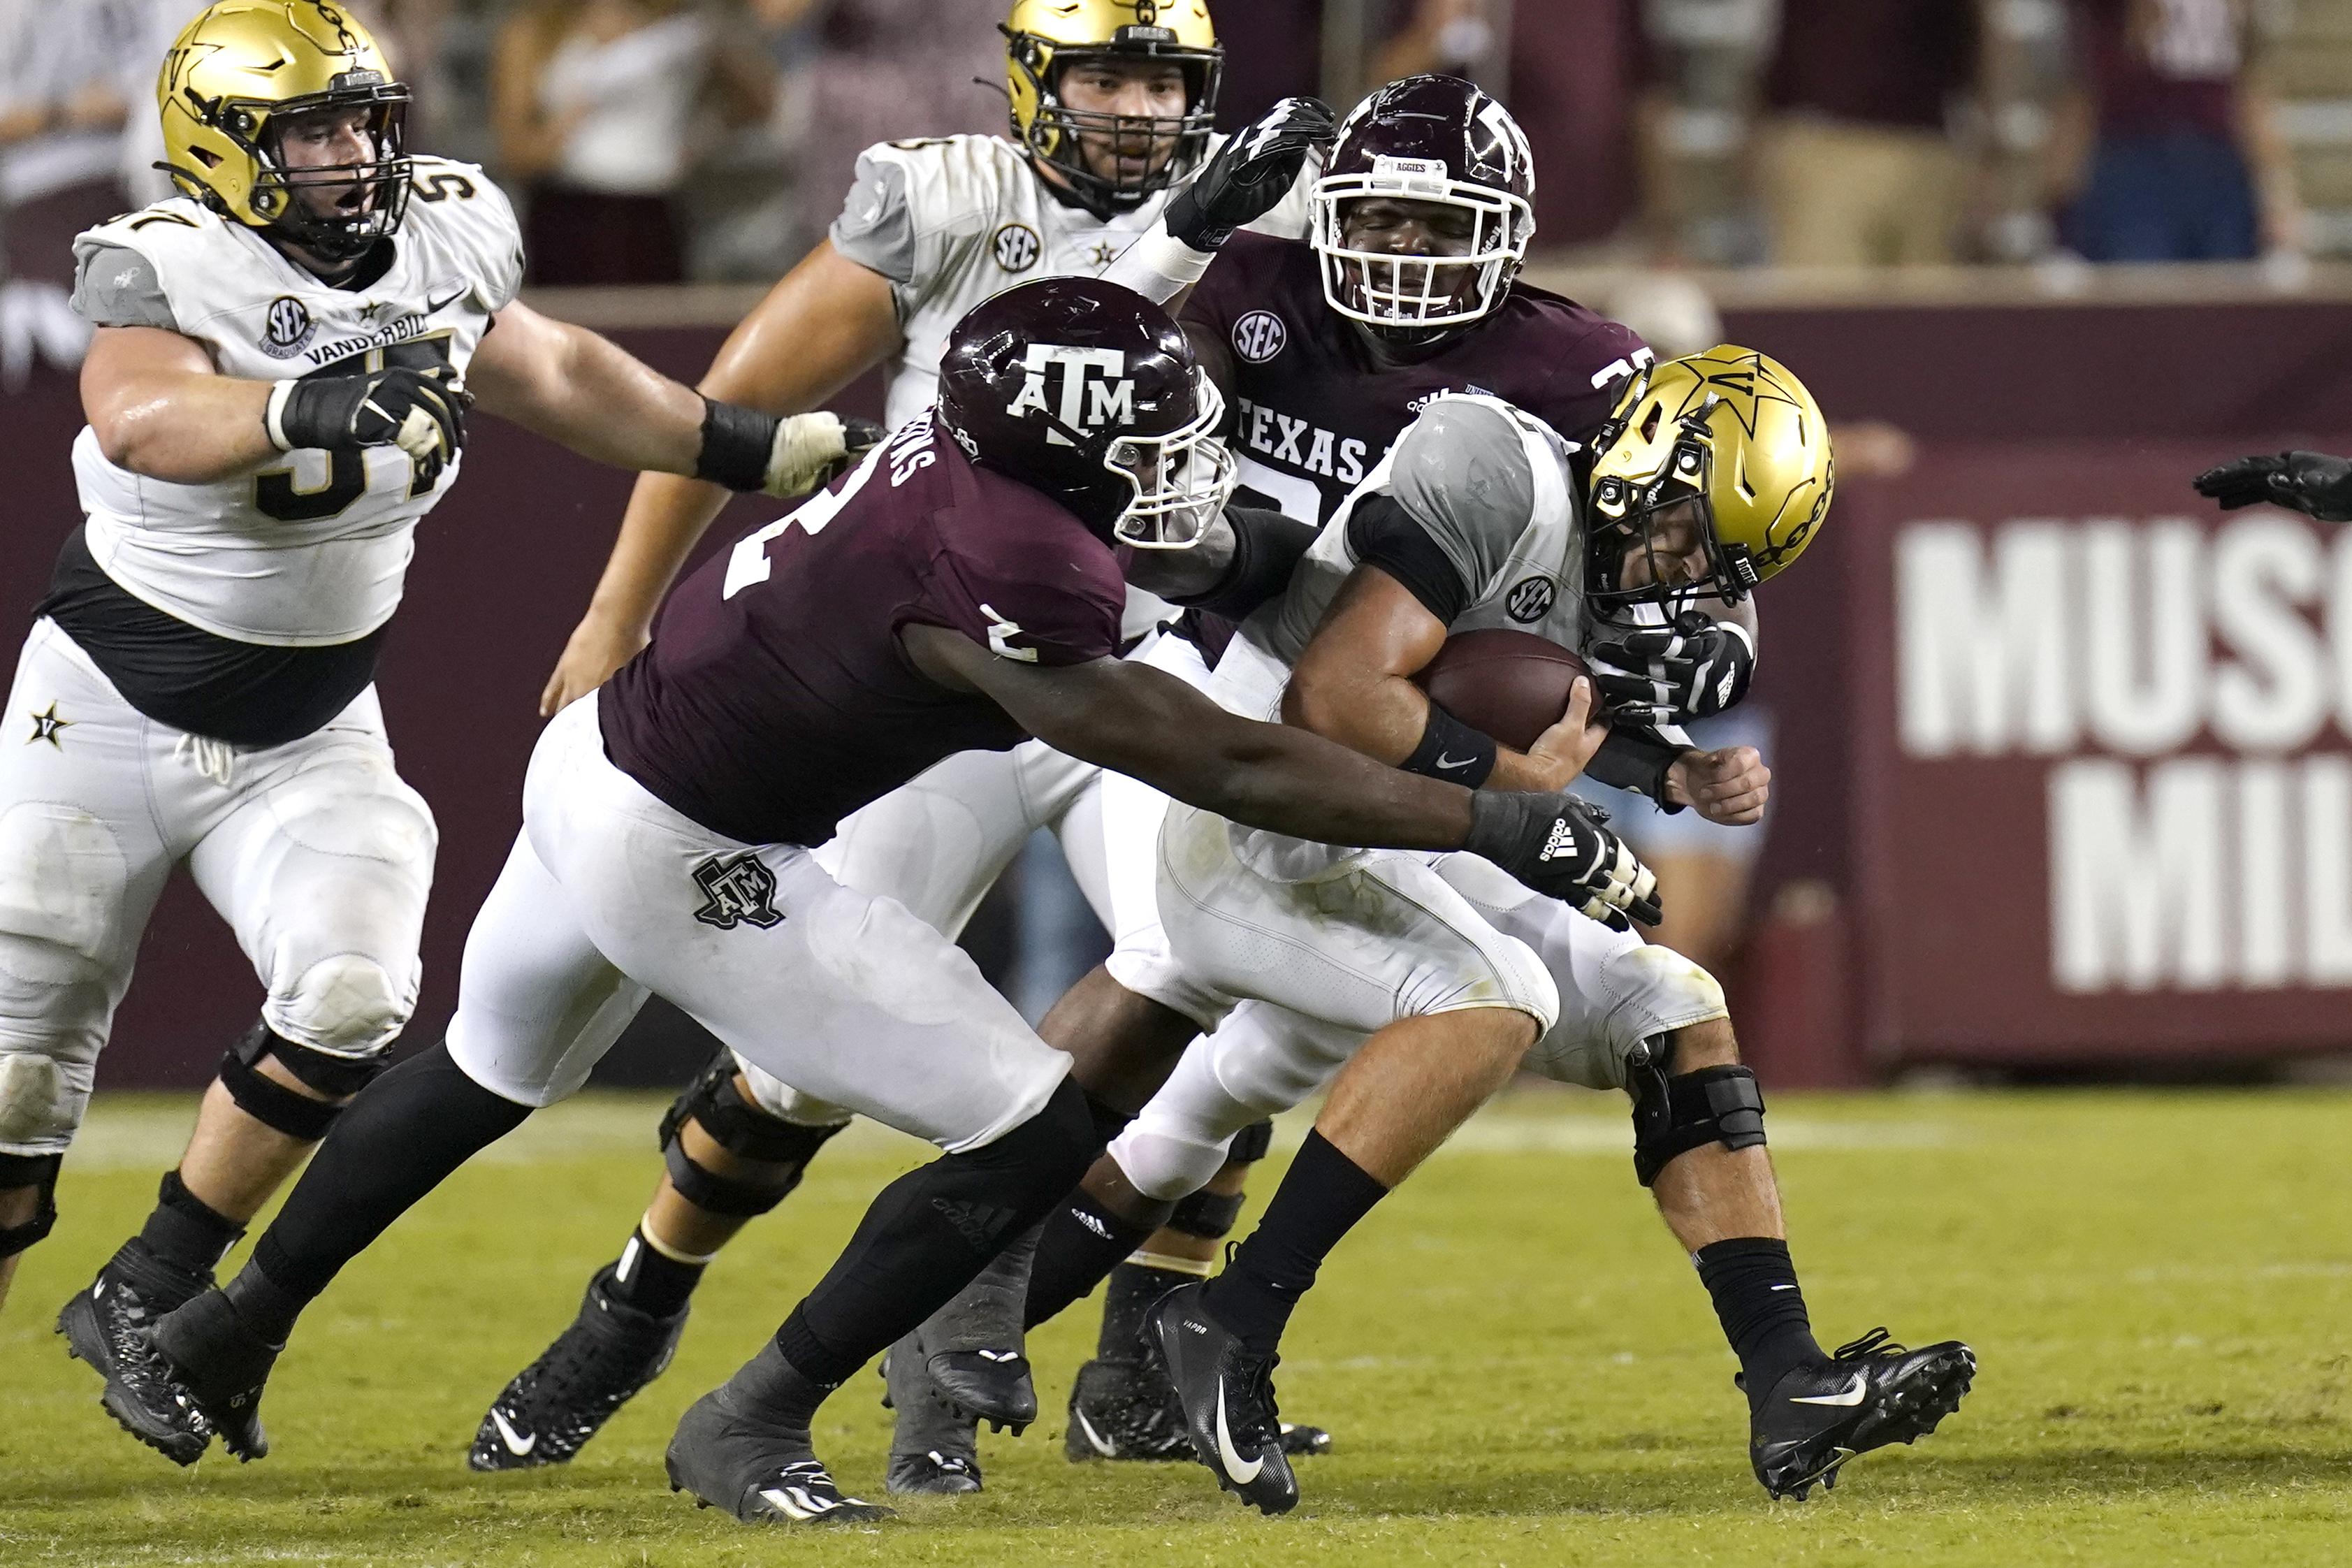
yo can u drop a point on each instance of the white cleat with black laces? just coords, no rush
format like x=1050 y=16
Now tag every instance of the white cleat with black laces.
x=1227 y=1395
x=1866 y=1395
x=558 y=1402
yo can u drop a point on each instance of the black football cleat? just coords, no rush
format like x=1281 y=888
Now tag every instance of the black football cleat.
x=1124 y=1410
x=107 y=1326
x=974 y=1348
x=1227 y=1397
x=214 y=1361
x=1868 y=1394
x=1302 y=1441
x=934 y=1447
x=734 y=1456
x=596 y=1365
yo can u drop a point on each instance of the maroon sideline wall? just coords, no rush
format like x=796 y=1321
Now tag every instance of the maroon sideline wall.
x=2133 y=397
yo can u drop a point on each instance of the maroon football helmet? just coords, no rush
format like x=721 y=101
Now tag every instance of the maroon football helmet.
x=1089 y=393
x=1435 y=138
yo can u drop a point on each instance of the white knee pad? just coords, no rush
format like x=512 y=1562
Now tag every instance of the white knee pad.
x=785 y=1103
x=1167 y=1165
x=1641 y=991
x=346 y=1005
x=41 y=1104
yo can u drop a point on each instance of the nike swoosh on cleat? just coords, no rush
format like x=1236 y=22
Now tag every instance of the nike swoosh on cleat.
x=1094 y=1438
x=517 y=1445
x=1851 y=1396
x=1242 y=1474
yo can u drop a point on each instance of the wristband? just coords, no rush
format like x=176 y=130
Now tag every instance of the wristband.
x=1452 y=751
x=1159 y=265
x=273 y=415
x=735 y=443
x=1268 y=547
x=1636 y=760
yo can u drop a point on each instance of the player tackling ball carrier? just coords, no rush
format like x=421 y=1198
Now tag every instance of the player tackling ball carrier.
x=277 y=392
x=964 y=579
x=1111 y=163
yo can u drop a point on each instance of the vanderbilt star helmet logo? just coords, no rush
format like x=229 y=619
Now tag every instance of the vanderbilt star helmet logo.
x=1082 y=400
x=739 y=889
x=47 y=726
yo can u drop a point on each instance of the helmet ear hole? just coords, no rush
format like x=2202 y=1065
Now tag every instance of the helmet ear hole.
x=1649 y=421
x=205 y=155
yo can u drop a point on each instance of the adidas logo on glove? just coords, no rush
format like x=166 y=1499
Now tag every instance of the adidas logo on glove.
x=1561 y=842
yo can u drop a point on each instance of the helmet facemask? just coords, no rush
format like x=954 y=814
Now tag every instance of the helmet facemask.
x=373 y=192
x=1624 y=530
x=1167 y=147
x=1181 y=481
x=1418 y=295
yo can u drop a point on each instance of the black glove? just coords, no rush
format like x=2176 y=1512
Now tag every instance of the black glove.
x=1250 y=175
x=2309 y=482
x=422 y=412
x=1669 y=675
x=1559 y=846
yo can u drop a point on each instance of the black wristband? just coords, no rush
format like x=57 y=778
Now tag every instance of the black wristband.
x=1189 y=223
x=1636 y=760
x=1452 y=751
x=736 y=445
x=1268 y=547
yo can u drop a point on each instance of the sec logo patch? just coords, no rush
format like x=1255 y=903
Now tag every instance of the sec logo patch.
x=1017 y=247
x=286 y=328
x=1529 y=600
x=1259 y=336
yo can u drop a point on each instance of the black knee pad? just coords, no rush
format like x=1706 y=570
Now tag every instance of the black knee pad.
x=713 y=1103
x=1251 y=1144
x=273 y=1104
x=1674 y=1115
x=30 y=1171
x=1207 y=1216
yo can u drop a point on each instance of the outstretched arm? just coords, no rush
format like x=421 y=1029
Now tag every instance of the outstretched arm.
x=572 y=385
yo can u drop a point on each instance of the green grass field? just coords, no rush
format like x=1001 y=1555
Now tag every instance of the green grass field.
x=1519 y=1366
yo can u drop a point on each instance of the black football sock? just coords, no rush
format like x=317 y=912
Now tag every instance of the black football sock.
x=1082 y=1242
x=650 y=1279
x=185 y=1231
x=1133 y=1289
x=932 y=1231
x=1322 y=1197
x=1763 y=1312
x=391 y=1145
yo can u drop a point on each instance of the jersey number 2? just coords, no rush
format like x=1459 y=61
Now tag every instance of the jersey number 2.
x=275 y=494
x=747 y=562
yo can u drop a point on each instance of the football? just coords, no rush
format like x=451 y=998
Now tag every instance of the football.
x=1512 y=685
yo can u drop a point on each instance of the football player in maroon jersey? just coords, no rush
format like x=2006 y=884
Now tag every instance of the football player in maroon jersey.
x=966 y=582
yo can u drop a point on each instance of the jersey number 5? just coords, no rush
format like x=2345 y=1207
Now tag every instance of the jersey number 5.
x=275 y=493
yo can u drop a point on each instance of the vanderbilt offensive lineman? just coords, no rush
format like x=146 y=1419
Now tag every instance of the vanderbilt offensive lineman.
x=1110 y=165
x=277 y=394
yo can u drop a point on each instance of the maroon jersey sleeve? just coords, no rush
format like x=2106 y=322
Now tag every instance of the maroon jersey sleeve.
x=1029 y=599
x=1592 y=358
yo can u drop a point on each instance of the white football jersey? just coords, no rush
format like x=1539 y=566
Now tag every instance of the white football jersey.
x=311 y=549
x=953 y=220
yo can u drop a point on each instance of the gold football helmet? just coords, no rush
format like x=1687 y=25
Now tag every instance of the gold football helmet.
x=233 y=80
x=1042 y=38
x=1731 y=429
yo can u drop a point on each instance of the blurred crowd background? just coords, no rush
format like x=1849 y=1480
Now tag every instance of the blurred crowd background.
x=661 y=141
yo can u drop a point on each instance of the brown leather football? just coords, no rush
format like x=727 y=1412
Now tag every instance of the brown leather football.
x=1512 y=685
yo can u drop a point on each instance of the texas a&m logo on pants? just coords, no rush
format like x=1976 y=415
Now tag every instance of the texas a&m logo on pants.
x=737 y=888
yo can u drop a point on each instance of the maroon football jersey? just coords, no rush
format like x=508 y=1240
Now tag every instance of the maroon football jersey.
x=774 y=699
x=1316 y=411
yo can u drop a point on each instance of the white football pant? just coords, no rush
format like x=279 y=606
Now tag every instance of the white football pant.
x=315 y=852
x=609 y=895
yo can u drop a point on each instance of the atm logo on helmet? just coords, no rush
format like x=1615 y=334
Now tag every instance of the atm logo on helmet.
x=1095 y=389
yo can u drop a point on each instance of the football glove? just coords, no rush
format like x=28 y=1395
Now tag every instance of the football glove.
x=2312 y=483
x=1561 y=846
x=422 y=412
x=1670 y=675
x=814 y=450
x=1250 y=175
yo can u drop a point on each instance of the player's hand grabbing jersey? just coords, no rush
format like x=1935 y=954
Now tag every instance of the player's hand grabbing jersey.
x=1315 y=411
x=774 y=699
x=952 y=220
x=311 y=549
